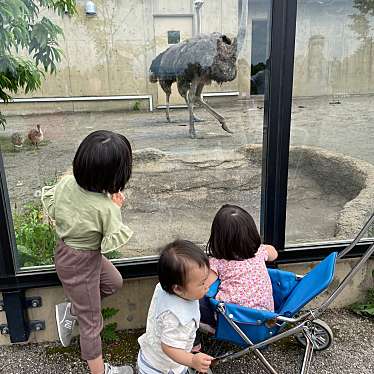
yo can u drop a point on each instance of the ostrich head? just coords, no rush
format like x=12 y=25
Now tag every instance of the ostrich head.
x=223 y=68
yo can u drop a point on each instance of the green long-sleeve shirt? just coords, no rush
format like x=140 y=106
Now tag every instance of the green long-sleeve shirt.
x=84 y=220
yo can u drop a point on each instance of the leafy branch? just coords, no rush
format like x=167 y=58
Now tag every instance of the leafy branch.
x=22 y=32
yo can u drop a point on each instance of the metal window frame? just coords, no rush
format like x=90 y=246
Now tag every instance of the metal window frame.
x=276 y=138
x=277 y=122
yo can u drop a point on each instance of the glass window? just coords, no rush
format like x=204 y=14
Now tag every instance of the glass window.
x=110 y=73
x=330 y=186
x=174 y=37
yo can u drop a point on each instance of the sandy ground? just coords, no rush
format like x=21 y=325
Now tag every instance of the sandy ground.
x=166 y=194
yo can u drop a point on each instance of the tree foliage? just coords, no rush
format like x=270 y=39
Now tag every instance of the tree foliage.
x=28 y=44
x=364 y=6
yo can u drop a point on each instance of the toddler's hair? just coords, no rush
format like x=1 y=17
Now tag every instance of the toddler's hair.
x=234 y=235
x=175 y=260
x=103 y=162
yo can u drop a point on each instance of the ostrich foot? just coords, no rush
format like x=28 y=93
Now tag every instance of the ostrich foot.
x=197 y=119
x=226 y=128
x=193 y=134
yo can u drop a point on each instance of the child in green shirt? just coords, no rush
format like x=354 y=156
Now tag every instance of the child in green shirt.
x=85 y=208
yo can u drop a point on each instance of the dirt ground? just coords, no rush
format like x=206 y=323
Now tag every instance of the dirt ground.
x=352 y=352
x=178 y=182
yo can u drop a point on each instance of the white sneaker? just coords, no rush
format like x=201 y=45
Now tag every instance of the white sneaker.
x=65 y=323
x=127 y=369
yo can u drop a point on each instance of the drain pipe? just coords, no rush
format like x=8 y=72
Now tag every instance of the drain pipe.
x=198 y=5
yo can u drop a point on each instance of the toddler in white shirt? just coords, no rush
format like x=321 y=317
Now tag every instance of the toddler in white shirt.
x=174 y=315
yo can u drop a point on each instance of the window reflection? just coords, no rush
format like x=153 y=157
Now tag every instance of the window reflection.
x=258 y=57
x=331 y=153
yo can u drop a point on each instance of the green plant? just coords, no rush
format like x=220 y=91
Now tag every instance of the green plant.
x=136 y=106
x=366 y=308
x=112 y=255
x=35 y=239
x=109 y=333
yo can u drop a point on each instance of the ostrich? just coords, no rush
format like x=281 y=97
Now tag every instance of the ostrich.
x=196 y=62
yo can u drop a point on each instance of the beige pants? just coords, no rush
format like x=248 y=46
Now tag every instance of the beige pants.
x=86 y=277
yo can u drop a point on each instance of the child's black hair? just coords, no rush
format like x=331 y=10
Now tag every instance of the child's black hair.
x=234 y=235
x=103 y=162
x=175 y=260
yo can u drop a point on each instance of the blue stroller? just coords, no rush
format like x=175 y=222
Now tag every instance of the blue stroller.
x=252 y=329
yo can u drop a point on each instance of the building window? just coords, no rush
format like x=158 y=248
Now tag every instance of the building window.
x=174 y=37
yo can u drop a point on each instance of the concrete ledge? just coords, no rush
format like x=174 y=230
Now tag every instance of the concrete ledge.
x=134 y=299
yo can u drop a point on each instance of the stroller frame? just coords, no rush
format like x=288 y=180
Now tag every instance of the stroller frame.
x=302 y=325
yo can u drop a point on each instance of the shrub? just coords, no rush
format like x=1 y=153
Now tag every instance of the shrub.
x=35 y=239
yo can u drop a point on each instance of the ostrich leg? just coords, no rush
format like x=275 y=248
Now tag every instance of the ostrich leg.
x=195 y=117
x=191 y=97
x=166 y=86
x=199 y=99
x=167 y=110
x=183 y=87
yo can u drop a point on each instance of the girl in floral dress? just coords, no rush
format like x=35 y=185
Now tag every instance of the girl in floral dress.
x=237 y=258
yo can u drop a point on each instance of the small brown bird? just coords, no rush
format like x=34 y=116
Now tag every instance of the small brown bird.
x=35 y=136
x=17 y=140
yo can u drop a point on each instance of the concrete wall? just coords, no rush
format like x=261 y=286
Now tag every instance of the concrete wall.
x=107 y=54
x=134 y=299
x=110 y=54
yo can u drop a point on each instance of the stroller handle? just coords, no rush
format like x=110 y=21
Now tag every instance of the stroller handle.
x=358 y=237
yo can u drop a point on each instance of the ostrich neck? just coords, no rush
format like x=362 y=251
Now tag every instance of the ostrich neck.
x=242 y=25
x=198 y=20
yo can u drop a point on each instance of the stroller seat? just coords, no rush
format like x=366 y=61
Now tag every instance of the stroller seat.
x=290 y=294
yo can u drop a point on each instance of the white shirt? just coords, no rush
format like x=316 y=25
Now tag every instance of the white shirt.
x=173 y=321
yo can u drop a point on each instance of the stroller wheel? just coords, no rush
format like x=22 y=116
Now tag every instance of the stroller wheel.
x=321 y=335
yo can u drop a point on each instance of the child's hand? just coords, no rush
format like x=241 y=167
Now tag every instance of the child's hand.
x=201 y=362
x=118 y=198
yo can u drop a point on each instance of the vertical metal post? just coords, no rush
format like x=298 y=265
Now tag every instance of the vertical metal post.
x=7 y=258
x=14 y=301
x=277 y=121
x=16 y=316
